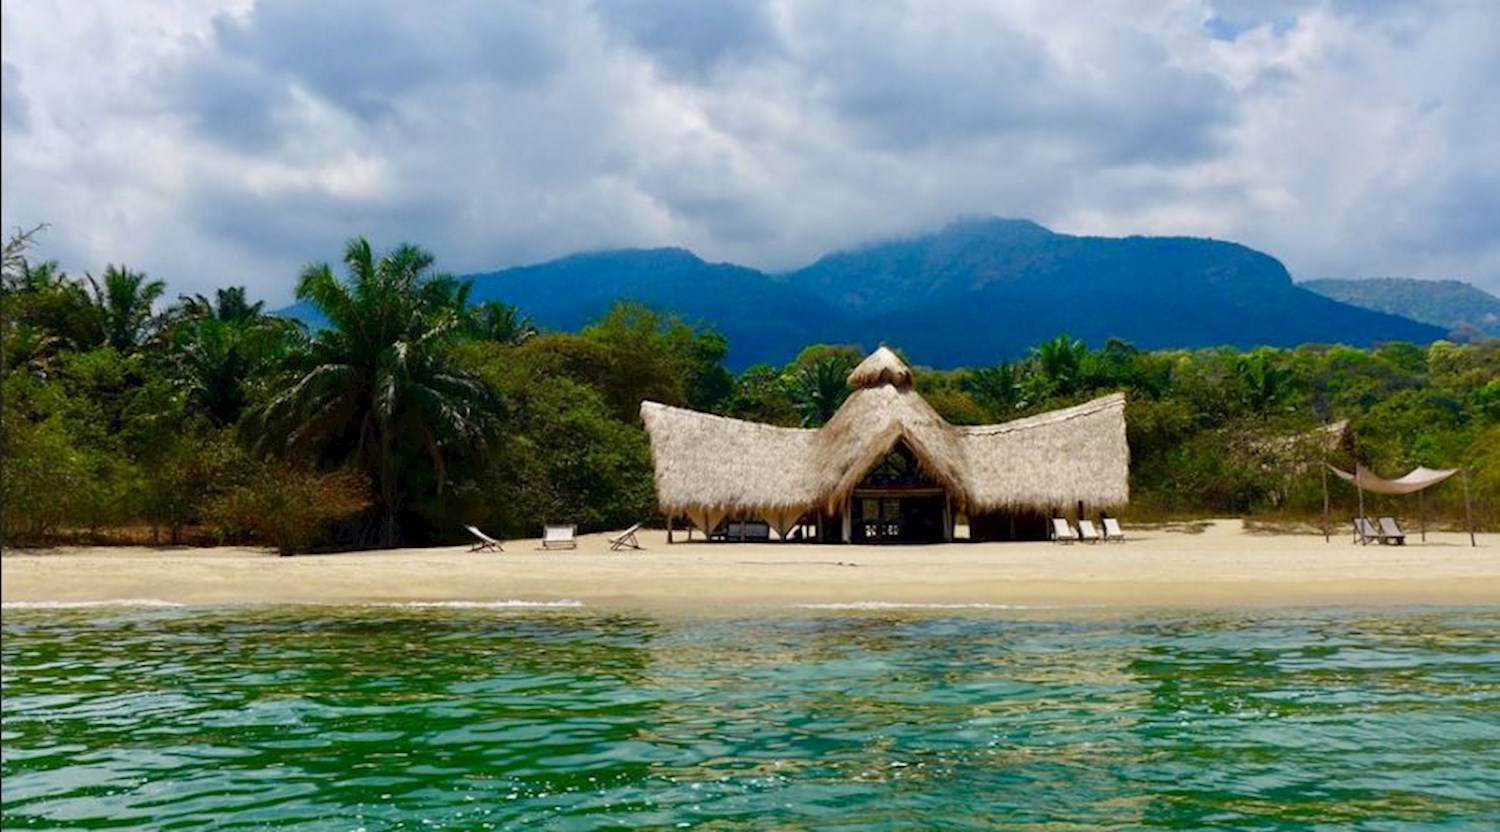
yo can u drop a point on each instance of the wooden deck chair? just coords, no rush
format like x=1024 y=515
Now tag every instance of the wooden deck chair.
x=1112 y=530
x=1062 y=531
x=1364 y=531
x=1390 y=532
x=483 y=542
x=625 y=540
x=1087 y=533
x=559 y=536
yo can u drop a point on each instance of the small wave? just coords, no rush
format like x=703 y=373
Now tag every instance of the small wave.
x=75 y=605
x=476 y=605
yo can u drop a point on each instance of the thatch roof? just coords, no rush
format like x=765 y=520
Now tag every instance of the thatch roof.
x=711 y=461
x=866 y=428
x=881 y=367
x=714 y=464
x=1051 y=460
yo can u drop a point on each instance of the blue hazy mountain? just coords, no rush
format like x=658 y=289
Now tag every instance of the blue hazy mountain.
x=976 y=292
x=981 y=290
x=763 y=318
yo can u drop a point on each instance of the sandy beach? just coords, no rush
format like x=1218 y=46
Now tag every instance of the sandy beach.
x=1223 y=565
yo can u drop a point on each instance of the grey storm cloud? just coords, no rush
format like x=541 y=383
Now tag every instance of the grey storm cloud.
x=221 y=141
x=955 y=85
x=689 y=41
x=365 y=57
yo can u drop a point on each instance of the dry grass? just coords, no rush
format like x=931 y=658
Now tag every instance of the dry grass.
x=1284 y=525
x=1175 y=526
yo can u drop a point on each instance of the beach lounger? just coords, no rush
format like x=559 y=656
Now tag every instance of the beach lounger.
x=625 y=539
x=1112 y=530
x=1365 y=532
x=483 y=542
x=559 y=537
x=1087 y=533
x=1390 y=532
x=1062 y=531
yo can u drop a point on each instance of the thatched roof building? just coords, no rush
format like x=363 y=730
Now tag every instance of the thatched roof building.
x=887 y=465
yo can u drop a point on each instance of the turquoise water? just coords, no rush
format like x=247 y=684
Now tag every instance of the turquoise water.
x=451 y=718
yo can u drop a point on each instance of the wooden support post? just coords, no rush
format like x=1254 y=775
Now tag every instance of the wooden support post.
x=1468 y=514
x=1325 y=502
x=669 y=528
x=1422 y=512
x=1361 y=490
x=848 y=520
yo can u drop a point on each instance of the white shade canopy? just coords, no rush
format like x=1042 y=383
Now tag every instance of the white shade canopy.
x=1410 y=483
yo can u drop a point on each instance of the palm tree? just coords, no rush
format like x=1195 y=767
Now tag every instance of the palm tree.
x=219 y=347
x=998 y=388
x=501 y=323
x=1263 y=379
x=375 y=387
x=818 y=382
x=43 y=296
x=1062 y=364
x=230 y=305
x=124 y=300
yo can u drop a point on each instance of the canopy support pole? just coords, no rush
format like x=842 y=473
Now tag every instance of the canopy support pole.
x=669 y=527
x=1468 y=514
x=1361 y=490
x=1422 y=511
x=1325 y=502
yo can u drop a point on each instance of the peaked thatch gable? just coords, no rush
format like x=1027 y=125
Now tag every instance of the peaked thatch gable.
x=865 y=429
x=881 y=367
x=709 y=466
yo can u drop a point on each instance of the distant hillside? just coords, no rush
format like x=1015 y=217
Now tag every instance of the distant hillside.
x=962 y=258
x=982 y=290
x=1458 y=307
x=974 y=293
x=764 y=320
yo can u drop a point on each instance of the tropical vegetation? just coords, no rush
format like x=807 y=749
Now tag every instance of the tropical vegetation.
x=412 y=412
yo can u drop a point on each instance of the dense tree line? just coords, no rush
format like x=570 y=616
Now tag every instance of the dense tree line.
x=414 y=412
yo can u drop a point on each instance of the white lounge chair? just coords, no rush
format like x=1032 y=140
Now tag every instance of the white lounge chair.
x=1112 y=530
x=625 y=539
x=1062 y=531
x=1390 y=532
x=1365 y=532
x=559 y=537
x=484 y=543
x=1087 y=533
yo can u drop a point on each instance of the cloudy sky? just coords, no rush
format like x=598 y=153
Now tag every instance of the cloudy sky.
x=219 y=142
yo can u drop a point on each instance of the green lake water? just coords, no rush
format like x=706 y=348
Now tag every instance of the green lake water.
x=838 y=719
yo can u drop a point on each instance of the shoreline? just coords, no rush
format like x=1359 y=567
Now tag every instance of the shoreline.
x=1223 y=566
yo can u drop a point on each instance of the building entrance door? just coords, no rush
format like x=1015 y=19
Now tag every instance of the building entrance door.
x=905 y=518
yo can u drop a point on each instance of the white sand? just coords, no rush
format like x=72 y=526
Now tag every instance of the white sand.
x=1223 y=566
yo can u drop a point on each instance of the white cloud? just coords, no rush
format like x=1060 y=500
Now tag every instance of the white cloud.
x=232 y=143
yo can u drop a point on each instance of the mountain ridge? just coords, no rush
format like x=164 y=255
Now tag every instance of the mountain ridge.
x=977 y=291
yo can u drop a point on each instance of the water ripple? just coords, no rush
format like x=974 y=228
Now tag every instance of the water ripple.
x=871 y=719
